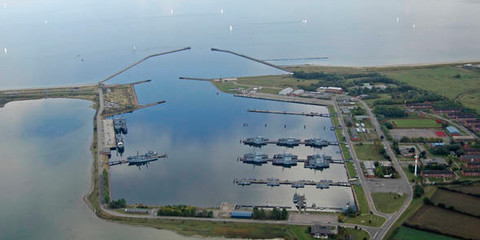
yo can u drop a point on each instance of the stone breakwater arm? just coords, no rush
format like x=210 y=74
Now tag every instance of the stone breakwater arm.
x=250 y=58
x=140 y=61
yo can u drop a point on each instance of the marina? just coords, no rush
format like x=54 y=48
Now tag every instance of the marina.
x=139 y=160
x=317 y=161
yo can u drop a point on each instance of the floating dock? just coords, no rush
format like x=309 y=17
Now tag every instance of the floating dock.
x=336 y=161
x=310 y=114
x=276 y=142
x=297 y=184
x=137 y=163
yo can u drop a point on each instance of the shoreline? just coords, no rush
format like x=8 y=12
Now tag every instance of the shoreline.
x=398 y=65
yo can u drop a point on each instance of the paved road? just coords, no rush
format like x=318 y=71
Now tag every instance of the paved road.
x=100 y=141
x=406 y=184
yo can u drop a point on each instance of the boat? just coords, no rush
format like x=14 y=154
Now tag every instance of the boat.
x=285 y=159
x=120 y=125
x=288 y=142
x=298 y=185
x=273 y=182
x=296 y=197
x=120 y=144
x=256 y=141
x=255 y=158
x=316 y=142
x=244 y=182
x=143 y=159
x=323 y=184
x=318 y=161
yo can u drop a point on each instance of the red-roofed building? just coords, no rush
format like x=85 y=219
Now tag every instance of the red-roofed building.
x=437 y=173
x=470 y=158
x=471 y=172
x=472 y=164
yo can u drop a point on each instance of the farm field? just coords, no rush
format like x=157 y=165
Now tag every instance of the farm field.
x=388 y=202
x=406 y=233
x=461 y=202
x=471 y=189
x=446 y=222
x=415 y=123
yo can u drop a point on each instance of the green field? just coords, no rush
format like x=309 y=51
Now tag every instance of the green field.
x=345 y=151
x=351 y=170
x=446 y=222
x=461 y=202
x=471 y=100
x=439 y=79
x=367 y=220
x=415 y=123
x=388 y=202
x=367 y=152
x=406 y=233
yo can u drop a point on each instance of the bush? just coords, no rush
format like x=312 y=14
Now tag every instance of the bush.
x=427 y=201
x=120 y=203
x=418 y=191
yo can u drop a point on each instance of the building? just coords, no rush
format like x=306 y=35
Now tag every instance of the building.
x=407 y=151
x=472 y=164
x=439 y=162
x=334 y=90
x=464 y=117
x=241 y=214
x=471 y=172
x=471 y=151
x=323 y=232
x=355 y=136
x=446 y=111
x=437 y=144
x=437 y=173
x=470 y=123
x=470 y=158
x=369 y=167
x=463 y=138
x=286 y=91
x=297 y=92
x=453 y=131
x=417 y=106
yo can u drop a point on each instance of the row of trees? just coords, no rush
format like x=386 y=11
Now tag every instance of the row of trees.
x=120 y=203
x=405 y=139
x=183 y=211
x=389 y=112
x=106 y=190
x=447 y=149
x=274 y=214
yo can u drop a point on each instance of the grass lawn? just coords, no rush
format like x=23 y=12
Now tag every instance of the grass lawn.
x=358 y=234
x=367 y=220
x=351 y=170
x=388 y=202
x=367 y=152
x=382 y=96
x=406 y=233
x=362 y=200
x=346 y=152
x=278 y=81
x=226 y=86
x=471 y=100
x=415 y=123
x=414 y=206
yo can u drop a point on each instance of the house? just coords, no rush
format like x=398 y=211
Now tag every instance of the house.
x=472 y=164
x=465 y=117
x=471 y=172
x=471 y=151
x=437 y=173
x=417 y=106
x=355 y=136
x=297 y=92
x=324 y=232
x=406 y=151
x=470 y=158
x=453 y=131
x=448 y=110
x=470 y=123
x=463 y=138
x=437 y=144
x=437 y=162
x=369 y=167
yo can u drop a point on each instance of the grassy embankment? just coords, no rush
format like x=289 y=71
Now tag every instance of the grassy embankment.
x=365 y=217
x=388 y=202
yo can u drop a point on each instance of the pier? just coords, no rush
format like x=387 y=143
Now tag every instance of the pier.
x=126 y=161
x=297 y=184
x=310 y=114
x=290 y=99
x=336 y=161
x=301 y=142
x=251 y=58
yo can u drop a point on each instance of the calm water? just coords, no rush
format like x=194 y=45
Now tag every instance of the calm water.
x=45 y=144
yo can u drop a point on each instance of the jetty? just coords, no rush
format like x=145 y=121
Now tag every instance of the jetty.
x=249 y=141
x=290 y=99
x=252 y=59
x=310 y=114
x=293 y=183
x=334 y=161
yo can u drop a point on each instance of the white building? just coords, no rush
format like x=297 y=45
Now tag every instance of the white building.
x=286 y=91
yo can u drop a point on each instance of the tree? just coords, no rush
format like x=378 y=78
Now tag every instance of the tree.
x=417 y=191
x=284 y=214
